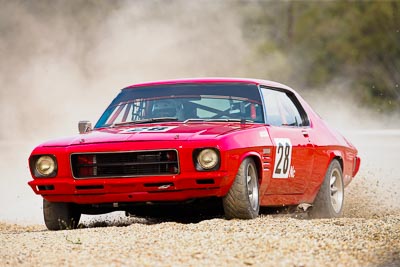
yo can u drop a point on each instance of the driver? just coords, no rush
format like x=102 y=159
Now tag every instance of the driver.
x=167 y=108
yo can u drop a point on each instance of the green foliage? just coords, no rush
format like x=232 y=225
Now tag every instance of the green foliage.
x=326 y=40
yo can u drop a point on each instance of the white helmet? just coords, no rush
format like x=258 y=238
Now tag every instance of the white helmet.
x=164 y=108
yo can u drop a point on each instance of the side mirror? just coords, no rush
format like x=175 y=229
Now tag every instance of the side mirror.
x=84 y=127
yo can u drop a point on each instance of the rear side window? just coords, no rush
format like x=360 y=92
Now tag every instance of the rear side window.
x=283 y=109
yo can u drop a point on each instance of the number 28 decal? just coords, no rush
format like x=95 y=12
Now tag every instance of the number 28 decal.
x=283 y=158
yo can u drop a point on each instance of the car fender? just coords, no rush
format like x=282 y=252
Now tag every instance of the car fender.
x=335 y=154
x=317 y=177
x=257 y=160
x=235 y=158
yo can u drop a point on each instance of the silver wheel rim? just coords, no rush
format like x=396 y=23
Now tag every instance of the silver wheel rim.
x=336 y=190
x=252 y=186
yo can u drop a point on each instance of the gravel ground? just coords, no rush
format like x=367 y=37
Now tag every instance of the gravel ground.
x=266 y=241
x=367 y=235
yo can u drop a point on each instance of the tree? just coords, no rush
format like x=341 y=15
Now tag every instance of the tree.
x=354 y=40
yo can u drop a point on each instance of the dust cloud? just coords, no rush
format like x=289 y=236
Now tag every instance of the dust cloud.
x=375 y=190
x=64 y=61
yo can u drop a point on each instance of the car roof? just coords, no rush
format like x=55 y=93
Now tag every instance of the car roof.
x=210 y=80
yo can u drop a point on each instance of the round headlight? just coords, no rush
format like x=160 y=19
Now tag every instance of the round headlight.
x=45 y=165
x=207 y=158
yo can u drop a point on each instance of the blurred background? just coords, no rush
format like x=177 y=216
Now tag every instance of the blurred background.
x=64 y=61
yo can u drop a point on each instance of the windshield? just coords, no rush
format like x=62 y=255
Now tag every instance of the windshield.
x=183 y=102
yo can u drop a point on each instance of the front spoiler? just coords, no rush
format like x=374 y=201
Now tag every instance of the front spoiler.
x=137 y=196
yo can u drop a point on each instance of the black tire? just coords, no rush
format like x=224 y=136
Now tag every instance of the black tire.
x=329 y=201
x=60 y=216
x=242 y=200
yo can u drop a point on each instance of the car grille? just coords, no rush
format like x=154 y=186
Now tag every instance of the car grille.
x=125 y=164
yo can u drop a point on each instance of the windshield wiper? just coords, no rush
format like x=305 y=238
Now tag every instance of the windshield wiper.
x=161 y=119
x=122 y=123
x=231 y=120
x=218 y=120
x=194 y=120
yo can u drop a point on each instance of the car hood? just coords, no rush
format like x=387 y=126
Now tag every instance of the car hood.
x=151 y=132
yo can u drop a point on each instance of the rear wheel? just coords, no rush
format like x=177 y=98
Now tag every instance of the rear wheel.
x=242 y=200
x=330 y=198
x=60 y=215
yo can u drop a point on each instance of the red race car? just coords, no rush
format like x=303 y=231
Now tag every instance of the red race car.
x=248 y=142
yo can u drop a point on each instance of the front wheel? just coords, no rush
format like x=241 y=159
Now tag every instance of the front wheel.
x=329 y=201
x=242 y=200
x=60 y=216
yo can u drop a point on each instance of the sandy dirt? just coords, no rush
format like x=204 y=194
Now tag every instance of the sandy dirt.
x=266 y=241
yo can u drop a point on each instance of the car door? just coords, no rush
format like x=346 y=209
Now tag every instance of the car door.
x=293 y=150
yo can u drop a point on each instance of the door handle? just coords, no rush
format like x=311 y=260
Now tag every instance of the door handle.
x=305 y=133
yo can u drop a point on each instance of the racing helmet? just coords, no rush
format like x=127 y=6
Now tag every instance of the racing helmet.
x=164 y=108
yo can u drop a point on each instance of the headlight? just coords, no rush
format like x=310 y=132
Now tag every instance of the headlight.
x=207 y=159
x=44 y=166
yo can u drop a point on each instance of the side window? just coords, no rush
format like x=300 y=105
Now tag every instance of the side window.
x=282 y=109
x=272 y=107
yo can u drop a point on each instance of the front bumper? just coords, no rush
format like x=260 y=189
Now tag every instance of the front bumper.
x=136 y=189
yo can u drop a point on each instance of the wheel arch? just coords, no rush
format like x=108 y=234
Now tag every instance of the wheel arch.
x=328 y=157
x=257 y=160
x=336 y=155
x=340 y=160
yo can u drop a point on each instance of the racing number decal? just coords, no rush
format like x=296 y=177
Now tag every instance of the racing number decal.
x=155 y=129
x=283 y=152
x=283 y=158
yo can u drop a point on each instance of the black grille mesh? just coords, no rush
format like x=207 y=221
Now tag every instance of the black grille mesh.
x=125 y=164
